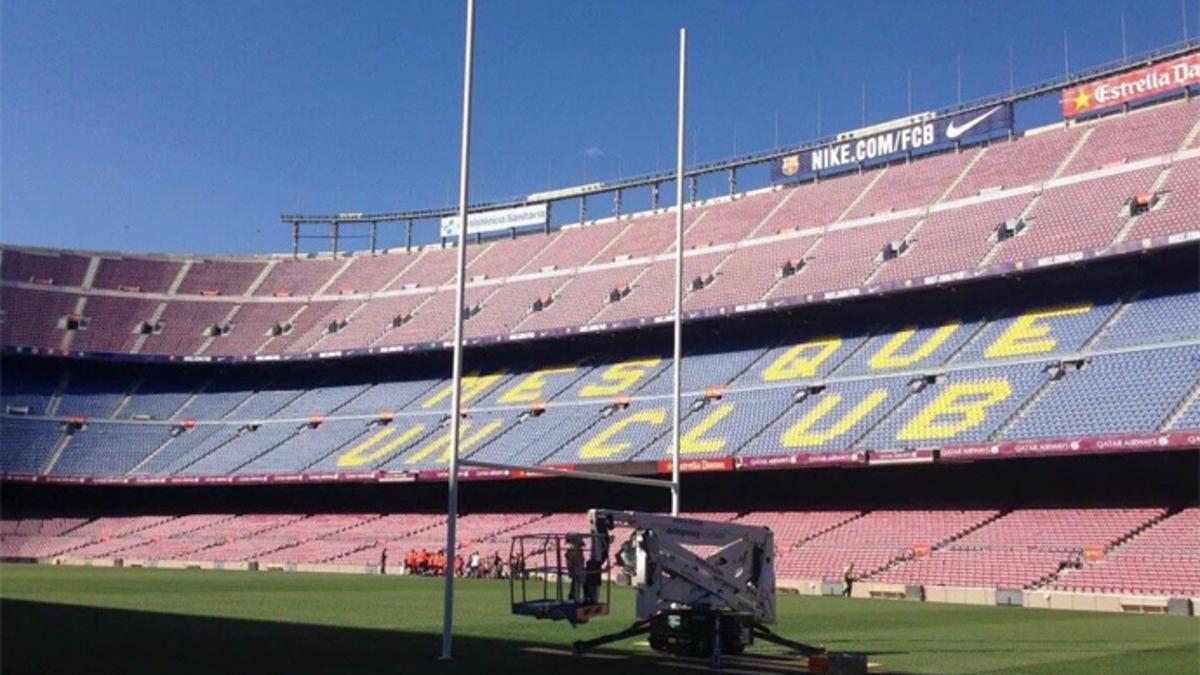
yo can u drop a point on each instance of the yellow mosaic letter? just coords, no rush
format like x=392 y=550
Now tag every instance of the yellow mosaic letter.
x=801 y=434
x=443 y=442
x=620 y=376
x=1027 y=335
x=532 y=388
x=694 y=442
x=472 y=386
x=887 y=357
x=959 y=408
x=363 y=454
x=803 y=360
x=600 y=448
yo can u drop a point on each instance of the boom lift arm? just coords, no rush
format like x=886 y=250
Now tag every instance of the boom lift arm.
x=703 y=587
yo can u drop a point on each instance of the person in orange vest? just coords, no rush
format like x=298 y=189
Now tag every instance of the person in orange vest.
x=423 y=562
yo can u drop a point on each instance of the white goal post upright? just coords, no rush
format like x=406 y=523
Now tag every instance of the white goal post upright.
x=677 y=350
x=457 y=366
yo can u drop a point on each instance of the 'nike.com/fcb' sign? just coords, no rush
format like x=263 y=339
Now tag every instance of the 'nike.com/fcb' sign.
x=912 y=134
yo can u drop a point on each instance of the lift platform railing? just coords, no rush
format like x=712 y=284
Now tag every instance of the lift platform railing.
x=555 y=576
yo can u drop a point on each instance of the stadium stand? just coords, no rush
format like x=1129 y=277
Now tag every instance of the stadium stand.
x=139 y=275
x=1140 y=550
x=1026 y=371
x=1052 y=192
x=1162 y=560
x=1001 y=355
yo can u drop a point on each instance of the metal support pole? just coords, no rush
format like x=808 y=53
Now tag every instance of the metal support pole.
x=337 y=231
x=655 y=194
x=732 y=182
x=374 y=236
x=694 y=189
x=617 y=203
x=546 y=226
x=677 y=353
x=460 y=289
x=408 y=228
x=295 y=240
x=582 y=209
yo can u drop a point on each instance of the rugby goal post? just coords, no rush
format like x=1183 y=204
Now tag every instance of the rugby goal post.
x=457 y=354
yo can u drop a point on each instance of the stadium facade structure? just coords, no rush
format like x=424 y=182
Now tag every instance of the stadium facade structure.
x=1028 y=295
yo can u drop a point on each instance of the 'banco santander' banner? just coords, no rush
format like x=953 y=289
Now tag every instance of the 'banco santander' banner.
x=496 y=221
x=1142 y=83
x=892 y=139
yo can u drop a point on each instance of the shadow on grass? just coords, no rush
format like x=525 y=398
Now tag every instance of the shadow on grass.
x=71 y=639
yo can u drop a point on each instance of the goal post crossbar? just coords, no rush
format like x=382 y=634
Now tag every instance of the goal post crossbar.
x=584 y=475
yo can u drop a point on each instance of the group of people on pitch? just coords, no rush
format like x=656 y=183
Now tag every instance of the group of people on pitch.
x=426 y=563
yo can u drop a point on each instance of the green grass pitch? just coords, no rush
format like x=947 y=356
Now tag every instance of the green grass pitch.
x=75 y=620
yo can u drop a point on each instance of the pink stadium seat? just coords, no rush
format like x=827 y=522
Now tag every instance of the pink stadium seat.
x=34 y=318
x=433 y=267
x=251 y=327
x=581 y=299
x=310 y=325
x=147 y=275
x=729 y=222
x=186 y=325
x=51 y=269
x=872 y=542
x=505 y=257
x=575 y=246
x=1179 y=206
x=1028 y=160
x=510 y=304
x=652 y=293
x=953 y=239
x=1078 y=216
x=113 y=323
x=371 y=321
x=369 y=273
x=1157 y=130
x=748 y=273
x=648 y=235
x=220 y=277
x=842 y=259
x=1162 y=560
x=815 y=204
x=298 y=278
x=918 y=183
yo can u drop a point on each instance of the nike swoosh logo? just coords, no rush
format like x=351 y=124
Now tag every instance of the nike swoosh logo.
x=953 y=132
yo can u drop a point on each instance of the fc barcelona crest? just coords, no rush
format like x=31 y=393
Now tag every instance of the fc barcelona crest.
x=790 y=165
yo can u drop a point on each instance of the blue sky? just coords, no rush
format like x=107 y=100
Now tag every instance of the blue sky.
x=189 y=126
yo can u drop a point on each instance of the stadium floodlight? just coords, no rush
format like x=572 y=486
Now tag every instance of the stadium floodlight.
x=460 y=293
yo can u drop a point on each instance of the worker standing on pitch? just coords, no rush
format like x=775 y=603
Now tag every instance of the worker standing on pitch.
x=847 y=579
x=575 y=568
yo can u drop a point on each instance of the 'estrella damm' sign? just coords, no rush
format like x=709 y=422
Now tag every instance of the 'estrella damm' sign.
x=1135 y=85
